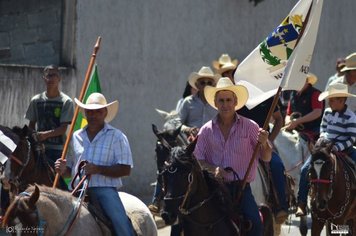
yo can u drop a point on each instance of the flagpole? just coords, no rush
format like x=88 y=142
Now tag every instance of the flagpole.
x=76 y=111
x=269 y=115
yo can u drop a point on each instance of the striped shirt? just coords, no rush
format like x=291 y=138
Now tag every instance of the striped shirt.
x=109 y=147
x=235 y=152
x=340 y=128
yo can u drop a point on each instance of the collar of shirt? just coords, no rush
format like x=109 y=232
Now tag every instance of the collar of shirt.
x=83 y=133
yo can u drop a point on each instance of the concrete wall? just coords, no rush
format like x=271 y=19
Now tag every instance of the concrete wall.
x=150 y=47
x=30 y=31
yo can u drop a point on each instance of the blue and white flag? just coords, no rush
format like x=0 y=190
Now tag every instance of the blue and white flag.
x=290 y=46
x=8 y=143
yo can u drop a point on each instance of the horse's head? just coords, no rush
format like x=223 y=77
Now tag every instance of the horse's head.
x=322 y=173
x=22 y=214
x=22 y=159
x=179 y=180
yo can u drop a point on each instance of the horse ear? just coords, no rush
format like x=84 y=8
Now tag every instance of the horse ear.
x=155 y=130
x=34 y=198
x=162 y=113
x=25 y=130
x=190 y=148
x=177 y=131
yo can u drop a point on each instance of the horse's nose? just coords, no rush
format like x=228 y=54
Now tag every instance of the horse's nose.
x=168 y=218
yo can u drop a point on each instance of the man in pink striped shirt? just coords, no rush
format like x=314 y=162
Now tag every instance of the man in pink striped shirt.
x=228 y=140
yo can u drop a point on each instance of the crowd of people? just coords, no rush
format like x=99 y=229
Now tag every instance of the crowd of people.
x=213 y=108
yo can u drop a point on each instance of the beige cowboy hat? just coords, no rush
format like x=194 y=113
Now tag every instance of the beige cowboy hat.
x=350 y=62
x=311 y=78
x=336 y=90
x=225 y=83
x=224 y=64
x=98 y=101
x=204 y=72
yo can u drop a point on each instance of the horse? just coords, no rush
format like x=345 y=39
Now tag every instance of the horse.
x=28 y=163
x=48 y=211
x=294 y=151
x=333 y=190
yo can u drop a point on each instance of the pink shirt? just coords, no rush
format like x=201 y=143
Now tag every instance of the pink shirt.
x=235 y=152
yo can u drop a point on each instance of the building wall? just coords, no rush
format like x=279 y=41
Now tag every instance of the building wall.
x=30 y=30
x=149 y=48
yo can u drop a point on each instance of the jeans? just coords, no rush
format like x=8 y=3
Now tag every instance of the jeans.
x=304 y=183
x=108 y=199
x=157 y=195
x=249 y=210
x=279 y=180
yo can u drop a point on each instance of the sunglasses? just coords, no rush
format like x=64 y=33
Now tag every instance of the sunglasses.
x=203 y=83
x=50 y=76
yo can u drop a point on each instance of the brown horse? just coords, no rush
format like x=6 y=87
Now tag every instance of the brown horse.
x=28 y=165
x=332 y=189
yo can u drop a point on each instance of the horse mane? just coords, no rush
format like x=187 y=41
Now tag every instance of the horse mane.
x=223 y=199
x=322 y=149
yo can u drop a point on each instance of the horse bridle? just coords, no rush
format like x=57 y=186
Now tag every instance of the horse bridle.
x=330 y=192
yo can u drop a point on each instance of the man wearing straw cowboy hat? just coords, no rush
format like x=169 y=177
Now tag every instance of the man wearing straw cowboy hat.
x=228 y=140
x=339 y=126
x=349 y=79
x=225 y=66
x=305 y=103
x=108 y=153
x=195 y=111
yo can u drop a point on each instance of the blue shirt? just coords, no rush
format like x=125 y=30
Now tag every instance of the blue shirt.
x=109 y=147
x=195 y=113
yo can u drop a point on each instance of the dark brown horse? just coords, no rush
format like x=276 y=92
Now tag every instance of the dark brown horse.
x=201 y=202
x=332 y=189
x=28 y=164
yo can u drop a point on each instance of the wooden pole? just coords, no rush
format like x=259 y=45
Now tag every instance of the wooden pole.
x=76 y=111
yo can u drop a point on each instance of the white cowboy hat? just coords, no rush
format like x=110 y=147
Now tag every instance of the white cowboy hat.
x=98 y=101
x=350 y=62
x=225 y=83
x=204 y=72
x=311 y=78
x=224 y=64
x=335 y=90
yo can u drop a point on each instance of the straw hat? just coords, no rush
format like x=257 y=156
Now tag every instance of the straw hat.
x=335 y=90
x=311 y=78
x=204 y=72
x=225 y=83
x=350 y=62
x=224 y=64
x=97 y=101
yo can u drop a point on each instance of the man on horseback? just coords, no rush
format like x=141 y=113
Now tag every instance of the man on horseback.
x=226 y=68
x=338 y=125
x=195 y=111
x=228 y=140
x=108 y=155
x=51 y=111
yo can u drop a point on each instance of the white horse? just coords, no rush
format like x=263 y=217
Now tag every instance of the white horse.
x=294 y=151
x=50 y=211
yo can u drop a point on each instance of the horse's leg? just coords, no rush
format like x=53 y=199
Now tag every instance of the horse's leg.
x=317 y=227
x=303 y=226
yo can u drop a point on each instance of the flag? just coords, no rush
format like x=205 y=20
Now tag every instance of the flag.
x=290 y=46
x=8 y=143
x=93 y=87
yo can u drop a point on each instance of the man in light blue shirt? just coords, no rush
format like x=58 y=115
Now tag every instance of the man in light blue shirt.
x=195 y=111
x=108 y=153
